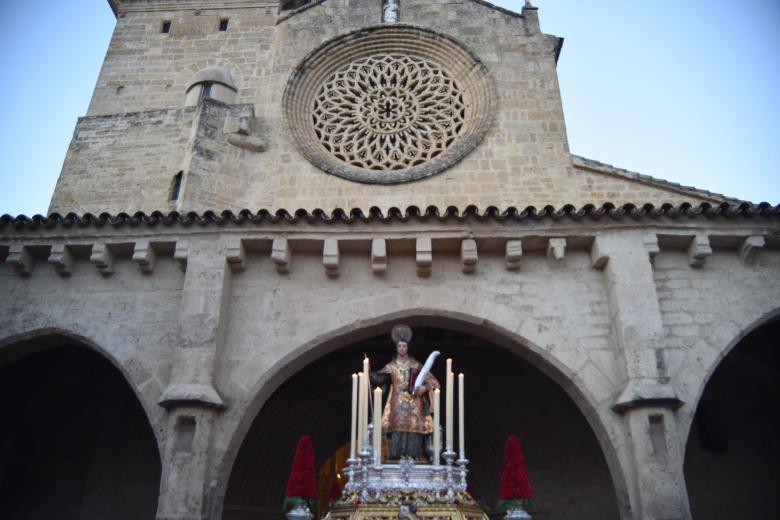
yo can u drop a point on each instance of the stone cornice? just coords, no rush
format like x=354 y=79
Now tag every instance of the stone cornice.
x=588 y=213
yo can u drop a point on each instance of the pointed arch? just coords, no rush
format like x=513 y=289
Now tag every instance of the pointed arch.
x=765 y=319
x=17 y=346
x=363 y=329
x=731 y=444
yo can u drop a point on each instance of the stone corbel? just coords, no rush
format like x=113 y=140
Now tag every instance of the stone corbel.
x=330 y=257
x=280 y=254
x=514 y=253
x=103 y=258
x=651 y=246
x=598 y=257
x=61 y=258
x=180 y=253
x=469 y=255
x=698 y=250
x=750 y=246
x=378 y=256
x=424 y=256
x=236 y=255
x=556 y=248
x=241 y=131
x=145 y=256
x=20 y=257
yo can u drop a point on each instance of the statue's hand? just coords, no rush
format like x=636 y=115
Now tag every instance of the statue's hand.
x=421 y=390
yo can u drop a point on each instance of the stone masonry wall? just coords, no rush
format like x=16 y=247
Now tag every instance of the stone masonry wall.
x=145 y=69
x=257 y=326
x=523 y=160
x=707 y=309
x=131 y=317
x=123 y=162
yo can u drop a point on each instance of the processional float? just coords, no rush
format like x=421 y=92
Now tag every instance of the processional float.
x=407 y=489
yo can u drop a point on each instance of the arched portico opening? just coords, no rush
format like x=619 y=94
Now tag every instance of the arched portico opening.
x=732 y=456
x=506 y=394
x=75 y=442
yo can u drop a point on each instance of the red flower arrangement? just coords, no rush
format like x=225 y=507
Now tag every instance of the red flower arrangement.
x=302 y=484
x=515 y=491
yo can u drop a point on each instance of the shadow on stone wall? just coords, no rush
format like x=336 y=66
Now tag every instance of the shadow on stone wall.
x=732 y=460
x=75 y=441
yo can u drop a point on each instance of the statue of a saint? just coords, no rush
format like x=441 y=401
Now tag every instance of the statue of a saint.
x=406 y=415
x=390 y=12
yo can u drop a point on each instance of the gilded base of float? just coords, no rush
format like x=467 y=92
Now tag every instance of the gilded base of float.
x=411 y=505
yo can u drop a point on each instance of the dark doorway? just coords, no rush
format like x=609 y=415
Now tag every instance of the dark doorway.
x=75 y=441
x=732 y=459
x=504 y=394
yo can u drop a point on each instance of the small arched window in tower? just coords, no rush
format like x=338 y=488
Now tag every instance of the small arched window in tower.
x=223 y=24
x=176 y=186
x=205 y=90
x=212 y=82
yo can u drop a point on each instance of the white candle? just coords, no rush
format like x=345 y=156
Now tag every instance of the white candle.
x=361 y=410
x=448 y=411
x=461 y=419
x=436 y=423
x=377 y=426
x=364 y=438
x=353 y=421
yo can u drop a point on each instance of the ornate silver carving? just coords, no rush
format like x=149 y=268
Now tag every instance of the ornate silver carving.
x=517 y=514
x=370 y=481
x=301 y=512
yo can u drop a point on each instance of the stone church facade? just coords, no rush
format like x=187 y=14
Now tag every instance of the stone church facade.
x=162 y=347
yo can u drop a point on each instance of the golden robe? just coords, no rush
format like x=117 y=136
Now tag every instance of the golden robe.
x=404 y=411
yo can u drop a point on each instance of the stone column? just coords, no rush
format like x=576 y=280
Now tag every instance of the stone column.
x=647 y=400
x=191 y=399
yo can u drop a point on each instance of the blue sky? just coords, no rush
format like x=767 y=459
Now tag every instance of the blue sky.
x=684 y=91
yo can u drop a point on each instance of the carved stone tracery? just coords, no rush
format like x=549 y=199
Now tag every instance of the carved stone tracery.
x=388 y=112
x=389 y=104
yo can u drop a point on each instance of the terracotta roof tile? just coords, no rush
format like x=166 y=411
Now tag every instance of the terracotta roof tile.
x=588 y=212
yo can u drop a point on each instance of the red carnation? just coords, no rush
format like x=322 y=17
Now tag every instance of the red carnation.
x=514 y=480
x=335 y=490
x=303 y=481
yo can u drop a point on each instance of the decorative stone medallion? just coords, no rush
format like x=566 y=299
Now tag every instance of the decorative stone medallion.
x=389 y=104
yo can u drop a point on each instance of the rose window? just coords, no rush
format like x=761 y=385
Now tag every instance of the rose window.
x=388 y=105
x=388 y=112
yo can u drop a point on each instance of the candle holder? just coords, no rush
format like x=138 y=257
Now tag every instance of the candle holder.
x=350 y=471
x=449 y=457
x=365 y=458
x=462 y=473
x=439 y=475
